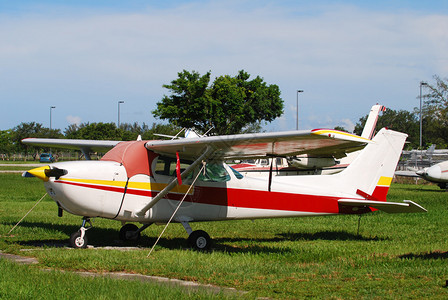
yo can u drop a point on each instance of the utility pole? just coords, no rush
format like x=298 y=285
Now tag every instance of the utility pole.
x=297 y=121
x=119 y=102
x=422 y=83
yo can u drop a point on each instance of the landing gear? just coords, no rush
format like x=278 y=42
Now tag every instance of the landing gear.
x=131 y=232
x=128 y=233
x=198 y=239
x=78 y=239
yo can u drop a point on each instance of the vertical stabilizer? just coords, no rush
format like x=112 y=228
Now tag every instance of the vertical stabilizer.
x=370 y=174
x=369 y=127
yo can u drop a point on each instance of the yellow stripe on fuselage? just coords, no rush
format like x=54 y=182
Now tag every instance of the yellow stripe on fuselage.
x=96 y=181
x=156 y=187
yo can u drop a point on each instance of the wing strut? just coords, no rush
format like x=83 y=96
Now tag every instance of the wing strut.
x=173 y=183
x=270 y=174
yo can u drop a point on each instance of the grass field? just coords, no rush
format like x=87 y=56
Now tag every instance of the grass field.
x=393 y=256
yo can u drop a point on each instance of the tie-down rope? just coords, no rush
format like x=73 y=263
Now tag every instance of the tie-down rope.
x=177 y=208
x=27 y=213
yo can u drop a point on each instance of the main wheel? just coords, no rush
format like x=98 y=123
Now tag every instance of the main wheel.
x=76 y=241
x=199 y=240
x=127 y=233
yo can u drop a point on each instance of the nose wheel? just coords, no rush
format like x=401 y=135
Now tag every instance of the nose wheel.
x=78 y=239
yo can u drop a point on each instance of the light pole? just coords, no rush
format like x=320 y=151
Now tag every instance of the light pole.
x=422 y=83
x=297 y=121
x=119 y=102
x=51 y=108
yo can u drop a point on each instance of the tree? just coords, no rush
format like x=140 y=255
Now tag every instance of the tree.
x=435 y=113
x=94 y=131
x=6 y=143
x=31 y=129
x=228 y=105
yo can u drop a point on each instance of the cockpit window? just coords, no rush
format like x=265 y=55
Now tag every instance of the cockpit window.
x=214 y=172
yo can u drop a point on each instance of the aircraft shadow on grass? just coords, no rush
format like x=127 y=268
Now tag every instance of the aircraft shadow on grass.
x=429 y=255
x=101 y=237
x=330 y=236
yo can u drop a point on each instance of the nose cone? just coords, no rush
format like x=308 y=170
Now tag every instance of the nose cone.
x=39 y=173
x=434 y=173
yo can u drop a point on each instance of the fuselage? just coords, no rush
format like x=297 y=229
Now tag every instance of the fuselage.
x=103 y=189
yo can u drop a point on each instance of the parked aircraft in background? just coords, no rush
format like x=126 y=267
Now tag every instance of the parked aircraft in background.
x=187 y=180
x=437 y=173
x=306 y=164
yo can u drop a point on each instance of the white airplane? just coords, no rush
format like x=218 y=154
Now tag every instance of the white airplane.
x=306 y=164
x=437 y=173
x=145 y=181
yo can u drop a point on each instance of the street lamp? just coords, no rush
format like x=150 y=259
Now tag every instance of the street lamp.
x=119 y=102
x=422 y=83
x=51 y=107
x=297 y=121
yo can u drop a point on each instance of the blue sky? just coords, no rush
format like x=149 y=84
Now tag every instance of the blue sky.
x=85 y=56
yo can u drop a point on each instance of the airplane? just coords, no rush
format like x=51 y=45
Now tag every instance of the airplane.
x=437 y=173
x=146 y=181
x=306 y=164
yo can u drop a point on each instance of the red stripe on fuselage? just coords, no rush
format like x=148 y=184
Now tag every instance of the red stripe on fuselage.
x=238 y=198
x=246 y=198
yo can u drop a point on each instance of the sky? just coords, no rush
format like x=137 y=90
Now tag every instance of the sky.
x=82 y=57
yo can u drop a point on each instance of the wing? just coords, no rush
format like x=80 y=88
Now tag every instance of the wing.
x=406 y=174
x=318 y=142
x=83 y=145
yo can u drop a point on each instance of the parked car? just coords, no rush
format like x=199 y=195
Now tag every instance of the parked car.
x=46 y=157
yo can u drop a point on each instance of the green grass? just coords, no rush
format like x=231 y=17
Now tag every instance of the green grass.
x=14 y=162
x=24 y=282
x=394 y=256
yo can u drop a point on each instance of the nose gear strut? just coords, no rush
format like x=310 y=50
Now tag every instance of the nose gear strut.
x=78 y=239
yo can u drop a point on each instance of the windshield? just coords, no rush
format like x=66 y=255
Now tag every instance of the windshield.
x=214 y=172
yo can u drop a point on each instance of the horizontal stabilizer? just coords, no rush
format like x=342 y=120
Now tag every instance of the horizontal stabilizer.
x=407 y=206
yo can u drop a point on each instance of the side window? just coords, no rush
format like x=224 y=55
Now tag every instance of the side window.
x=214 y=172
x=163 y=166
x=167 y=166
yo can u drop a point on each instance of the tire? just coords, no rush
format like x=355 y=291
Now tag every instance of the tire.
x=200 y=240
x=76 y=241
x=125 y=233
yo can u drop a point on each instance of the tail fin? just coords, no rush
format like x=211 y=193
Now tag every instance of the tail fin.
x=430 y=151
x=370 y=174
x=369 y=127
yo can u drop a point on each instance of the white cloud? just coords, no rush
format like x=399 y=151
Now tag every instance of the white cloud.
x=348 y=125
x=73 y=120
